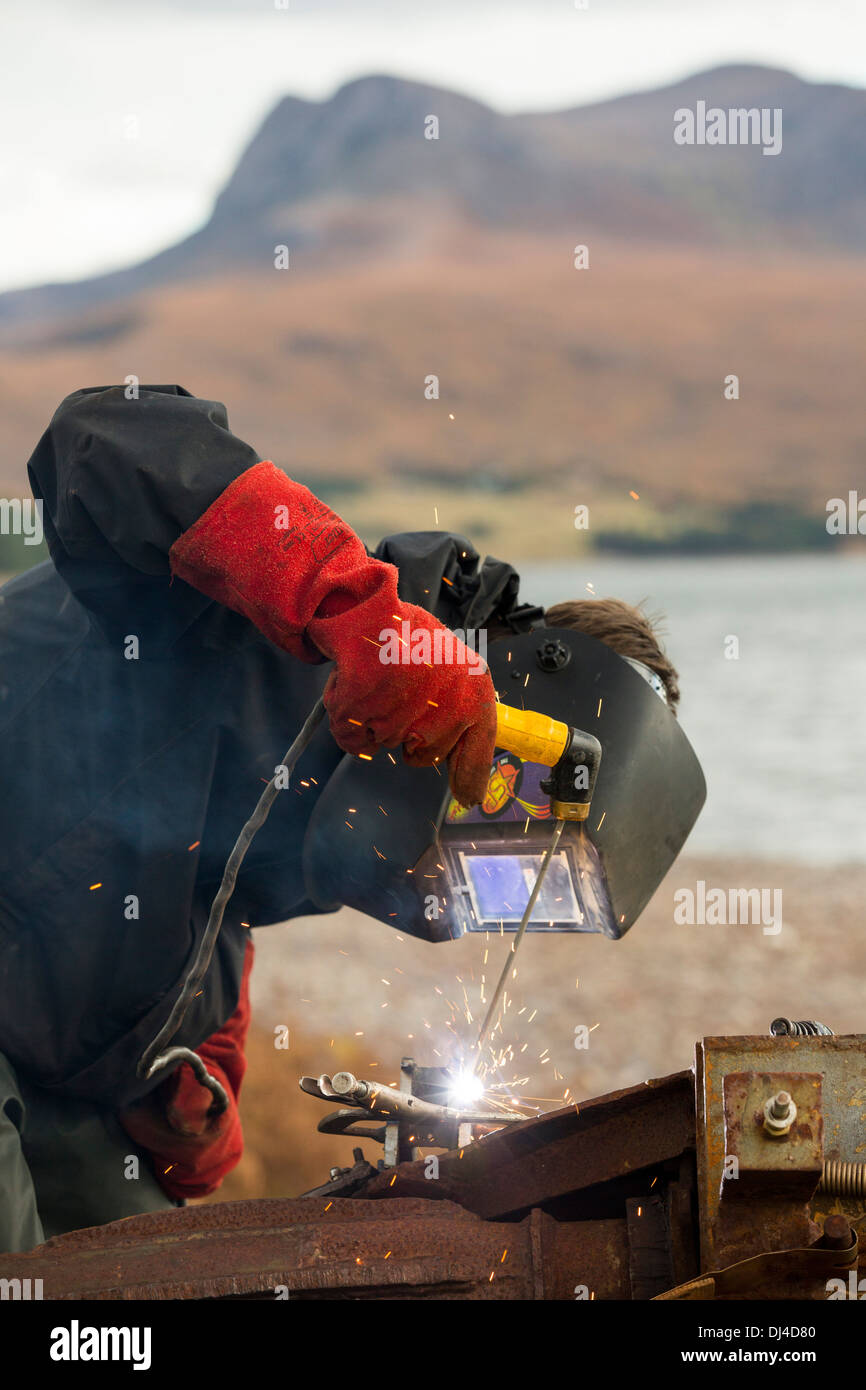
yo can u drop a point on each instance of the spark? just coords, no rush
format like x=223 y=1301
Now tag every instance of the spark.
x=194 y=845
x=449 y=582
x=436 y=514
x=603 y=814
x=368 y=757
x=382 y=809
x=328 y=1207
x=598 y=711
x=635 y=495
x=388 y=1255
x=93 y=886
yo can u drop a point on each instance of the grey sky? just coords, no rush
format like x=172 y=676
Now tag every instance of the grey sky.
x=120 y=122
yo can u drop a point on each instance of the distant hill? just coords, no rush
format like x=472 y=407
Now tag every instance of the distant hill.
x=454 y=258
x=354 y=176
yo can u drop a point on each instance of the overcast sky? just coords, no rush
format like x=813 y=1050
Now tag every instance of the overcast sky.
x=119 y=122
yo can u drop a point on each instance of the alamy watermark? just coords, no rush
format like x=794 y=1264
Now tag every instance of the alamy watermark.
x=732 y=907
x=440 y=647
x=22 y=517
x=739 y=125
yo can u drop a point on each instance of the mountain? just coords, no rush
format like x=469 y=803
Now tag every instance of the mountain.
x=454 y=258
x=354 y=176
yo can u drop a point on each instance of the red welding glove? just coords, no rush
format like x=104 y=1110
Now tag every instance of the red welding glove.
x=271 y=550
x=191 y=1152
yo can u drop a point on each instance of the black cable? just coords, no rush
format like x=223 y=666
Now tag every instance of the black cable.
x=151 y=1061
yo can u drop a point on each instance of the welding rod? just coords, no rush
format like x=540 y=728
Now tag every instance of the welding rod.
x=521 y=932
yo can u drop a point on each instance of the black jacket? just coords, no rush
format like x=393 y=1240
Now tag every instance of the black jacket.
x=125 y=778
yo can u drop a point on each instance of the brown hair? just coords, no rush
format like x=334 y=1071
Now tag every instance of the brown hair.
x=625 y=629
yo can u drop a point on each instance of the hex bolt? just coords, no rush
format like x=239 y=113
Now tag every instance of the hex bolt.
x=780 y=1112
x=837 y=1234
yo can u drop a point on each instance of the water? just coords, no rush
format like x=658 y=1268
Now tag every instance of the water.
x=781 y=731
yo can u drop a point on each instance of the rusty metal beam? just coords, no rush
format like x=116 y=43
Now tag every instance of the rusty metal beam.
x=526 y=1165
x=346 y=1248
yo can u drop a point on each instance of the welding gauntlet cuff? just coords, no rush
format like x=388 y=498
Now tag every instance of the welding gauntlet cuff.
x=268 y=548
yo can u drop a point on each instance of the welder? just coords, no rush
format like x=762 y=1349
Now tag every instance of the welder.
x=150 y=675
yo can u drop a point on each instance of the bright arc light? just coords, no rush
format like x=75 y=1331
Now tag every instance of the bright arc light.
x=465 y=1088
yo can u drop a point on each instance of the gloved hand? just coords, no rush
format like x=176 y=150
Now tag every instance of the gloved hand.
x=192 y=1152
x=268 y=548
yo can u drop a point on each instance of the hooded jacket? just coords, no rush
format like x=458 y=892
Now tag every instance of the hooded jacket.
x=138 y=723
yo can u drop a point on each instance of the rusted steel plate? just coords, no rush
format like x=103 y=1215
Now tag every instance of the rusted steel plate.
x=651 y=1265
x=747 y=1226
x=529 y=1164
x=788 y=1165
x=345 y=1248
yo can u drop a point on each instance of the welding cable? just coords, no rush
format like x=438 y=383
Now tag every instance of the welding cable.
x=151 y=1059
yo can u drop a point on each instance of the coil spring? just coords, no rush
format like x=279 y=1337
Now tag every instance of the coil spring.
x=806 y=1028
x=843 y=1179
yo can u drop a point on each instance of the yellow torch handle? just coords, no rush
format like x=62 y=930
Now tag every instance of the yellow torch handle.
x=535 y=737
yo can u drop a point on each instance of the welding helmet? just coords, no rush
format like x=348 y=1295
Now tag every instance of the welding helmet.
x=411 y=856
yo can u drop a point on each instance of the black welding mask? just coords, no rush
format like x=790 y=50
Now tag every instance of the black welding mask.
x=391 y=841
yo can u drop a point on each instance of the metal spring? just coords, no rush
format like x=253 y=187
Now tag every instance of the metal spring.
x=843 y=1179
x=806 y=1028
